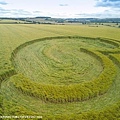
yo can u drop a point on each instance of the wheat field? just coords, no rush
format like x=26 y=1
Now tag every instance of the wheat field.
x=60 y=71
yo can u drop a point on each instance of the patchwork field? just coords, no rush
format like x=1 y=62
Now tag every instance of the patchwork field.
x=60 y=72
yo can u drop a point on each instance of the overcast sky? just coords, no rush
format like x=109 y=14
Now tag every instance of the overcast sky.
x=60 y=8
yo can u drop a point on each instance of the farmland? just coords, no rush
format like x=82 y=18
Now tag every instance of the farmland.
x=60 y=71
x=10 y=21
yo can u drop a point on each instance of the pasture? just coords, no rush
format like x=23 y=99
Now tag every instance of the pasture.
x=60 y=71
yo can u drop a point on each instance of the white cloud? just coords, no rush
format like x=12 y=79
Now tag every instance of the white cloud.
x=63 y=4
x=108 y=3
x=59 y=8
x=3 y=3
x=106 y=14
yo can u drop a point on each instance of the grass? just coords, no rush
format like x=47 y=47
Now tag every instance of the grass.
x=57 y=58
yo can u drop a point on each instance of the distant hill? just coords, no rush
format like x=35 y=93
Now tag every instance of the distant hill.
x=49 y=20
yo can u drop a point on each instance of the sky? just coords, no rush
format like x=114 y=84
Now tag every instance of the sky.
x=60 y=8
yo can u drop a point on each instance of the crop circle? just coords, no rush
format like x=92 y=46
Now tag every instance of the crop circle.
x=61 y=61
x=58 y=62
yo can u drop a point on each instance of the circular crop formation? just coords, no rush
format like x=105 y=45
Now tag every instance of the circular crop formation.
x=58 y=62
x=65 y=71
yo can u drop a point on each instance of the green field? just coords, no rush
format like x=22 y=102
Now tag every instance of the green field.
x=60 y=71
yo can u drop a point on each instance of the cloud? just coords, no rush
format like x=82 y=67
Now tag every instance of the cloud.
x=3 y=3
x=108 y=3
x=108 y=0
x=4 y=11
x=20 y=12
x=89 y=15
x=113 y=0
x=63 y=5
x=14 y=13
x=106 y=14
x=37 y=12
